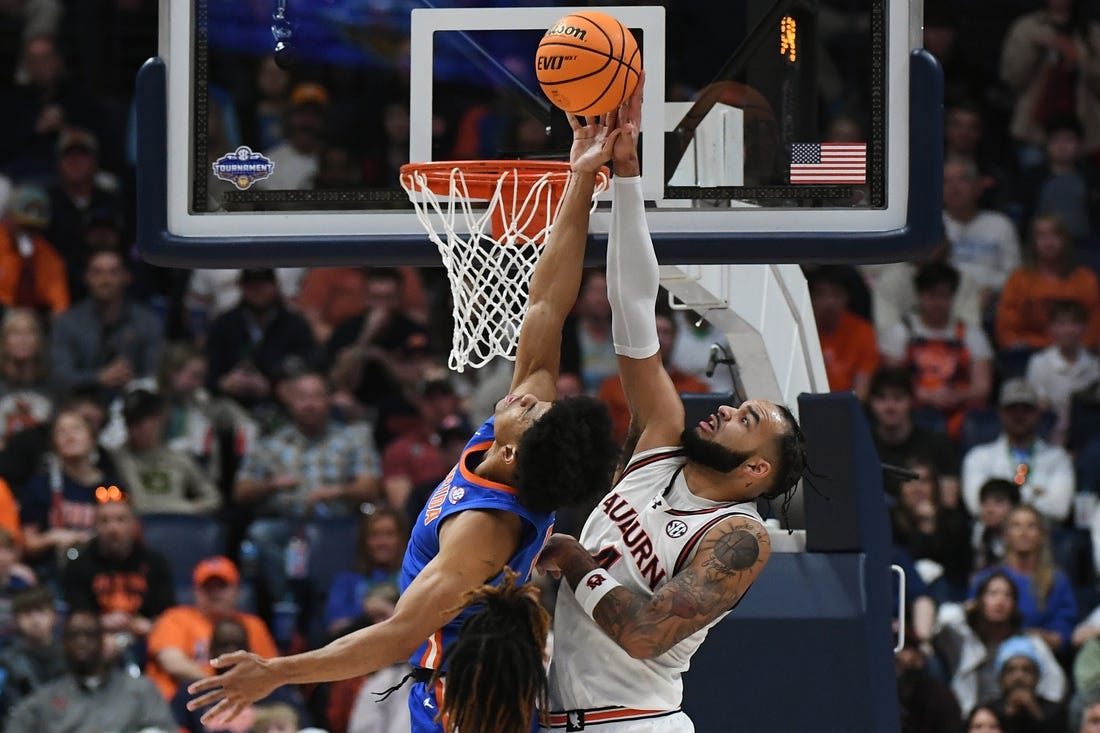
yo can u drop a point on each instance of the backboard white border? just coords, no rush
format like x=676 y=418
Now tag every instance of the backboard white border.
x=179 y=60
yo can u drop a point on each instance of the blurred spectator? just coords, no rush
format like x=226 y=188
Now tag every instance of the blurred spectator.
x=691 y=353
x=847 y=341
x=1044 y=595
x=210 y=292
x=40 y=108
x=935 y=531
x=984 y=719
x=92 y=696
x=984 y=244
x=58 y=507
x=215 y=432
x=262 y=121
x=898 y=439
x=1089 y=719
x=368 y=714
x=158 y=479
x=1023 y=314
x=611 y=390
x=1064 y=367
x=10 y=585
x=20 y=19
x=1021 y=705
x=24 y=452
x=9 y=515
x=26 y=390
x=927 y=705
x=106 y=339
x=297 y=156
x=337 y=170
x=413 y=457
x=380 y=548
x=74 y=197
x=34 y=656
x=969 y=637
x=996 y=500
x=312 y=467
x=118 y=577
x=894 y=291
x=951 y=361
x=332 y=295
x=1062 y=185
x=963 y=132
x=32 y=273
x=229 y=635
x=587 y=348
x=1043 y=472
x=382 y=166
x=275 y=718
x=247 y=345
x=179 y=642
x=1051 y=60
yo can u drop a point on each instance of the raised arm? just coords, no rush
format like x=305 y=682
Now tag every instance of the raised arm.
x=632 y=282
x=729 y=559
x=557 y=277
x=474 y=547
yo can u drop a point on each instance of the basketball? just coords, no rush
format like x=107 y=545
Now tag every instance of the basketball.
x=588 y=63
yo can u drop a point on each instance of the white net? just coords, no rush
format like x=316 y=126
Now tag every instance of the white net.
x=489 y=249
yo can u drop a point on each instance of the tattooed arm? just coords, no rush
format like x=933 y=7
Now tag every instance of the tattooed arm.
x=729 y=559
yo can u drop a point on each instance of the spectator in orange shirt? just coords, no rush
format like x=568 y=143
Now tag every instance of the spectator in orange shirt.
x=1023 y=314
x=611 y=390
x=332 y=295
x=847 y=341
x=32 y=273
x=179 y=642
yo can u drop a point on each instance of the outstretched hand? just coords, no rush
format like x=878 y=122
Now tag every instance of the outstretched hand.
x=247 y=678
x=593 y=141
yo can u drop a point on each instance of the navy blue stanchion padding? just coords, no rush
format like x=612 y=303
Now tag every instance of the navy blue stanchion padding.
x=184 y=540
x=810 y=648
x=914 y=240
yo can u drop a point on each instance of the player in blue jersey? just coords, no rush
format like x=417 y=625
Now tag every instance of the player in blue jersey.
x=493 y=511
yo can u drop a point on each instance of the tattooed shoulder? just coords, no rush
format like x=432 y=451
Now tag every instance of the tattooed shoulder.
x=735 y=550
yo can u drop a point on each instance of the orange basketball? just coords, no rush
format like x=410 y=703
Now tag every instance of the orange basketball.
x=588 y=63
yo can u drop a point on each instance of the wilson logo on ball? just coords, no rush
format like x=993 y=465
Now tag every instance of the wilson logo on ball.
x=567 y=30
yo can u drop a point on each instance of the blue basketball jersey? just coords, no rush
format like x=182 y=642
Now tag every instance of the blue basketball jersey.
x=460 y=491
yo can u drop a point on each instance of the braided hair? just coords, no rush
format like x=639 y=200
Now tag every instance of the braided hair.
x=496 y=673
x=790 y=464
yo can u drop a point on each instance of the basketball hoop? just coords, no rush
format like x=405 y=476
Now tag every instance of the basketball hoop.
x=489 y=249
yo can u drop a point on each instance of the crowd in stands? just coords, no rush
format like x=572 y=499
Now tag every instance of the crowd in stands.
x=193 y=462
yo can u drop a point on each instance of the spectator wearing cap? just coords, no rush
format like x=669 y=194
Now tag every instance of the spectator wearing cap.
x=179 y=642
x=371 y=353
x=117 y=576
x=312 y=467
x=76 y=195
x=105 y=339
x=32 y=272
x=951 y=361
x=248 y=344
x=297 y=157
x=1043 y=472
x=847 y=341
x=1020 y=704
x=93 y=695
x=158 y=479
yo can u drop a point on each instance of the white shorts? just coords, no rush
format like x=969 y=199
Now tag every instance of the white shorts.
x=677 y=722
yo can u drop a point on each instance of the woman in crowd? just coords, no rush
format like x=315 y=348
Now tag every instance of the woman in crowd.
x=968 y=637
x=1044 y=595
x=983 y=719
x=26 y=393
x=1049 y=274
x=381 y=546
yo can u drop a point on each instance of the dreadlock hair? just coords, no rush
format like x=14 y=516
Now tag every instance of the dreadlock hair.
x=790 y=464
x=567 y=457
x=496 y=672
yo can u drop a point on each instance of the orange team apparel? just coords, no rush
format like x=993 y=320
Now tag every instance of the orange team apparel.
x=849 y=351
x=1023 y=312
x=611 y=394
x=187 y=629
x=51 y=280
x=9 y=513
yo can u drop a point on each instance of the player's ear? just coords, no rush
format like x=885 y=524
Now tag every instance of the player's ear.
x=508 y=452
x=758 y=467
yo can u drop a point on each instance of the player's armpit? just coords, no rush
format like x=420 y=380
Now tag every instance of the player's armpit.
x=729 y=559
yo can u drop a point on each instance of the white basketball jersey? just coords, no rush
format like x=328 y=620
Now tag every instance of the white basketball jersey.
x=643 y=532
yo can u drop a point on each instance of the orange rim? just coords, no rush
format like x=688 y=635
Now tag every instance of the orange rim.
x=483 y=176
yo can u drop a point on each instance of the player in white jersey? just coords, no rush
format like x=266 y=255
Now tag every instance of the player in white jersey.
x=677 y=542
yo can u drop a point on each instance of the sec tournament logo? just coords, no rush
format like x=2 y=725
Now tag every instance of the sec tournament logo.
x=676 y=528
x=457 y=493
x=243 y=167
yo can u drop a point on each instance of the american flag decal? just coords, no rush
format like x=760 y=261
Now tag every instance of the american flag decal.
x=829 y=163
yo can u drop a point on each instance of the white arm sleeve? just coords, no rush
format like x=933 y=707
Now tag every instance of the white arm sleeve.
x=632 y=276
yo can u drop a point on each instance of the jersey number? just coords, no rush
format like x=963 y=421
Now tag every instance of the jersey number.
x=607 y=557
